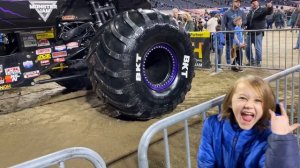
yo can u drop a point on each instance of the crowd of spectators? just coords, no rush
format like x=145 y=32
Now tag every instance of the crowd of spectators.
x=204 y=21
x=266 y=17
x=180 y=4
x=192 y=4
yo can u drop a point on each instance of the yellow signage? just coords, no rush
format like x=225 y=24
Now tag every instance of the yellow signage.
x=45 y=35
x=198 y=49
x=200 y=34
x=5 y=87
x=42 y=57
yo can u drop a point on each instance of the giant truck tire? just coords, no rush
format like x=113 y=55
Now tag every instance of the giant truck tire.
x=141 y=63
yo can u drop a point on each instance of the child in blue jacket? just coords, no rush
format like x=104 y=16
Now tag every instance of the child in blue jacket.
x=219 y=43
x=238 y=45
x=248 y=133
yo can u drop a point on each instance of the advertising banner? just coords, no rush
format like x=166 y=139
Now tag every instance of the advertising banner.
x=201 y=43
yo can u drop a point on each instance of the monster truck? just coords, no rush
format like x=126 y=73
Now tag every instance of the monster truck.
x=135 y=58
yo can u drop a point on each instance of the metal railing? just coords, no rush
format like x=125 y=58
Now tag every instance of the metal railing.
x=59 y=157
x=278 y=49
x=285 y=94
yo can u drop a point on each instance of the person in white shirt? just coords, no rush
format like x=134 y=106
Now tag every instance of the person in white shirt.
x=211 y=24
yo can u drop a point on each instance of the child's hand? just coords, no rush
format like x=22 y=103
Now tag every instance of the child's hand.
x=280 y=124
x=242 y=45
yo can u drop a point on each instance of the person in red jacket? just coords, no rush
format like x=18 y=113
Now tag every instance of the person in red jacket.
x=248 y=133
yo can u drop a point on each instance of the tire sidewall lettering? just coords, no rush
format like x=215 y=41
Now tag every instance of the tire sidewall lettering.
x=185 y=66
x=138 y=62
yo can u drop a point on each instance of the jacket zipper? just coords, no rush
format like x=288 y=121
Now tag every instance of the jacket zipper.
x=234 y=142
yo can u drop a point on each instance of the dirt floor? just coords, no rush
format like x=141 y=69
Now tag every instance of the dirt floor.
x=52 y=121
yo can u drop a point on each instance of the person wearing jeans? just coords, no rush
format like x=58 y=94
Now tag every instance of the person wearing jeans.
x=256 y=39
x=228 y=25
x=256 y=20
x=229 y=44
x=218 y=43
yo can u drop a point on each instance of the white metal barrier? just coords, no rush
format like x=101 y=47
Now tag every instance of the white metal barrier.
x=278 y=49
x=59 y=157
x=290 y=104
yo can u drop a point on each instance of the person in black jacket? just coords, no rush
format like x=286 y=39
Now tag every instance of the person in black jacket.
x=256 y=19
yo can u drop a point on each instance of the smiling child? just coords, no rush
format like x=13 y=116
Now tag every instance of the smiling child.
x=247 y=133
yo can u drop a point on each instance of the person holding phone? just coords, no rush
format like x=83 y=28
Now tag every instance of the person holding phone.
x=248 y=133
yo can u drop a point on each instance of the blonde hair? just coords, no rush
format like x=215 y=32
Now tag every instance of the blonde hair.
x=187 y=16
x=235 y=20
x=262 y=88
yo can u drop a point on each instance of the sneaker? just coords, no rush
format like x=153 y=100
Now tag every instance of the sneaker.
x=219 y=70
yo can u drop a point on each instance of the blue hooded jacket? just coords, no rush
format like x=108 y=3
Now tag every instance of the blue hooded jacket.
x=219 y=40
x=225 y=145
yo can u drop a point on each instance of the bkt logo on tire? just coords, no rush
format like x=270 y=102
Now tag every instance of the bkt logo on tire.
x=185 y=66
x=138 y=67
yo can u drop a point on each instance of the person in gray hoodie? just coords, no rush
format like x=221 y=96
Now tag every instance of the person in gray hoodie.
x=228 y=25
